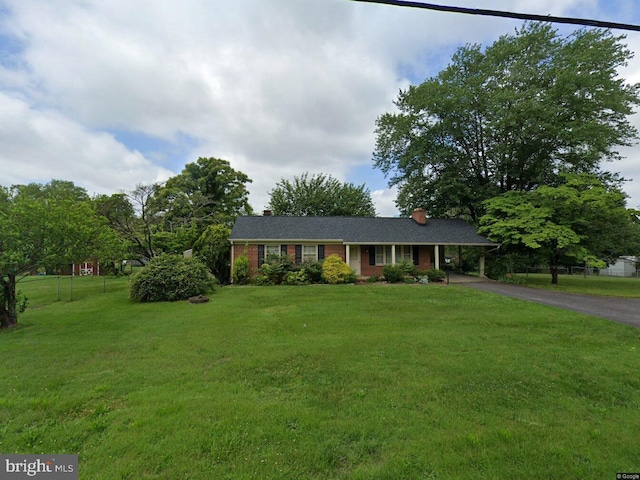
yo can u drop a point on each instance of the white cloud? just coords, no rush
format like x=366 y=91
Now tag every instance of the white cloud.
x=42 y=145
x=277 y=87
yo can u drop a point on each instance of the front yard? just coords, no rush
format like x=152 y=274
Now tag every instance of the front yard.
x=322 y=382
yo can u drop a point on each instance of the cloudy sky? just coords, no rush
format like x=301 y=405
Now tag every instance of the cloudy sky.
x=113 y=93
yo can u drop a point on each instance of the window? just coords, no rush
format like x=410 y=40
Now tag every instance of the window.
x=383 y=254
x=271 y=250
x=309 y=253
x=384 y=257
x=404 y=253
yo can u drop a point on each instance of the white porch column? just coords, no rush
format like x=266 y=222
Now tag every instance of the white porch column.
x=393 y=254
x=481 y=272
x=437 y=257
x=347 y=254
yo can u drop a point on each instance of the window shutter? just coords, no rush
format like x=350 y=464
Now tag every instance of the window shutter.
x=372 y=255
x=260 y=255
x=416 y=254
x=298 y=254
x=321 y=252
x=283 y=250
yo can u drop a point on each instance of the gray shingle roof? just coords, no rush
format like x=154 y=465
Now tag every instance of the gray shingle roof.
x=358 y=230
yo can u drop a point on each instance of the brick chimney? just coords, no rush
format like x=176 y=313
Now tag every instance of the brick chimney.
x=266 y=213
x=419 y=216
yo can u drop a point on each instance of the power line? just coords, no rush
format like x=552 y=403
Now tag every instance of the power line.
x=501 y=13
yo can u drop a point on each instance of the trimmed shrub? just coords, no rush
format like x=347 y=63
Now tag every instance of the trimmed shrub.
x=240 y=273
x=335 y=270
x=170 y=278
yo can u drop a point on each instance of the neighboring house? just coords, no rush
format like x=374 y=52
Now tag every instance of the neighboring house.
x=624 y=267
x=86 y=268
x=367 y=244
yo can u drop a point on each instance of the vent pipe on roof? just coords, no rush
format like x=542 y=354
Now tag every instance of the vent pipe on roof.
x=266 y=213
x=419 y=216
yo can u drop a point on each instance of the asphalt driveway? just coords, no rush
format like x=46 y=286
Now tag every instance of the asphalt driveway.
x=621 y=310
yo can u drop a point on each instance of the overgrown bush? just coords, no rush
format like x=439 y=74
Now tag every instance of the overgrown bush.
x=240 y=271
x=275 y=268
x=335 y=270
x=170 y=278
x=313 y=270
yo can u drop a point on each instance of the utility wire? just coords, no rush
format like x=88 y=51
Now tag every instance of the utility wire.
x=501 y=13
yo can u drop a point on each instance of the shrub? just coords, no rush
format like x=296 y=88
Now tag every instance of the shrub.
x=313 y=270
x=276 y=267
x=334 y=270
x=373 y=279
x=240 y=272
x=170 y=278
x=296 y=277
x=436 y=275
x=262 y=280
x=393 y=273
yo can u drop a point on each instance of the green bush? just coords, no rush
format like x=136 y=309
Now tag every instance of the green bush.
x=335 y=270
x=275 y=268
x=240 y=272
x=313 y=270
x=436 y=275
x=262 y=280
x=298 y=277
x=170 y=278
x=393 y=273
x=373 y=279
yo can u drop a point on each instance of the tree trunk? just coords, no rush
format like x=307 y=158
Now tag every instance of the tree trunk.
x=8 y=308
x=554 y=269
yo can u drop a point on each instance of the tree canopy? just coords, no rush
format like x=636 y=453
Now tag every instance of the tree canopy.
x=320 y=195
x=170 y=217
x=511 y=117
x=581 y=221
x=47 y=226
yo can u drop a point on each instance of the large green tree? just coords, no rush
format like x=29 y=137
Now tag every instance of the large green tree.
x=320 y=195
x=510 y=117
x=583 y=221
x=207 y=191
x=41 y=226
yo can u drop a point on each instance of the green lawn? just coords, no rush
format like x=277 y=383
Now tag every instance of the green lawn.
x=322 y=382
x=591 y=284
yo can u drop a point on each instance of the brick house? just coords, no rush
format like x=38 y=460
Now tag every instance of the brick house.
x=367 y=244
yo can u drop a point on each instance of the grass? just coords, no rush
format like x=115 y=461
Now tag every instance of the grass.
x=322 y=382
x=591 y=284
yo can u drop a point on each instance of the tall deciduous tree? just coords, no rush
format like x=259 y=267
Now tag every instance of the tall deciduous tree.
x=135 y=217
x=320 y=195
x=207 y=191
x=581 y=221
x=39 y=228
x=511 y=117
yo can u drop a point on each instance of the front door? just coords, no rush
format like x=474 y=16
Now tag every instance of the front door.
x=354 y=259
